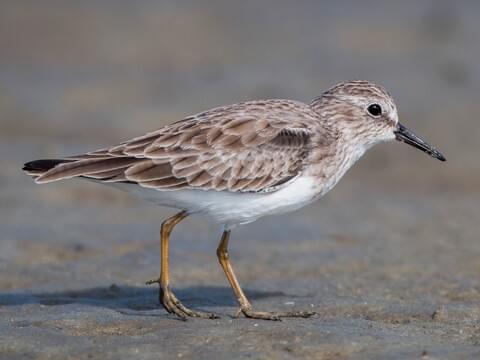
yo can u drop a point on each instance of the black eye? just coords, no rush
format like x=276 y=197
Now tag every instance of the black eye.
x=374 y=110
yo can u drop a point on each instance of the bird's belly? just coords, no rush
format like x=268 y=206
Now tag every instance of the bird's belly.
x=235 y=208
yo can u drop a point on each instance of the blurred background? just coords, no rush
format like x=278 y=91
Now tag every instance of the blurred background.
x=80 y=75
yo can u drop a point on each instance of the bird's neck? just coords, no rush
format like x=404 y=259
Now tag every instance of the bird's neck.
x=332 y=158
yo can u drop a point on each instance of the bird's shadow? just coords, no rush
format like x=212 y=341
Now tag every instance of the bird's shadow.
x=133 y=300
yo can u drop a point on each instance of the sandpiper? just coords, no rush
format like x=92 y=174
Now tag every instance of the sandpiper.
x=234 y=164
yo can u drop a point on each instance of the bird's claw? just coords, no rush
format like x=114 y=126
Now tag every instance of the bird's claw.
x=150 y=282
x=273 y=316
x=174 y=306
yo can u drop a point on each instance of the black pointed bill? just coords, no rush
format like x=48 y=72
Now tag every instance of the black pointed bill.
x=408 y=137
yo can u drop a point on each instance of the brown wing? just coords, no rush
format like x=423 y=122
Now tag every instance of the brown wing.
x=249 y=147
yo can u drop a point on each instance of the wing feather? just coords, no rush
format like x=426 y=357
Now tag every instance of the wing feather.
x=248 y=147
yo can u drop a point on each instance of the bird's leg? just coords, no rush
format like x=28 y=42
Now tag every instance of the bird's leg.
x=245 y=306
x=166 y=296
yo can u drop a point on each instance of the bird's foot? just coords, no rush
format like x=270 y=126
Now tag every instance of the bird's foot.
x=274 y=315
x=174 y=306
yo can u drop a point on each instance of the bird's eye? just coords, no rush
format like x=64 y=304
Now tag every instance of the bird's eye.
x=374 y=110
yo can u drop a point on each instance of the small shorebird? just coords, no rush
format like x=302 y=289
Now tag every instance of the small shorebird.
x=234 y=164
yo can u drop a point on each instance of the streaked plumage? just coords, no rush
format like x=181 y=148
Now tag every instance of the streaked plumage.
x=237 y=163
x=247 y=147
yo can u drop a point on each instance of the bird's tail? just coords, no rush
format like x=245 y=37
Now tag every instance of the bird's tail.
x=88 y=166
x=37 y=168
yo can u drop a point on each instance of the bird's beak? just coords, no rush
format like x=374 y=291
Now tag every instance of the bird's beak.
x=408 y=137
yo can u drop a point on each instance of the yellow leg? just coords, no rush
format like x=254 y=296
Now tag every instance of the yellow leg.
x=166 y=296
x=245 y=306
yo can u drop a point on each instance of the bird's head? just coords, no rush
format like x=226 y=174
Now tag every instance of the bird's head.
x=366 y=114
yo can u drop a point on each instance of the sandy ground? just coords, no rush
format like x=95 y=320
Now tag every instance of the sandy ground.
x=390 y=259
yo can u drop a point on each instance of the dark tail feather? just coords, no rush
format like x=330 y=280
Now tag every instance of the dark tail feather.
x=38 y=167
